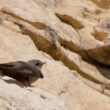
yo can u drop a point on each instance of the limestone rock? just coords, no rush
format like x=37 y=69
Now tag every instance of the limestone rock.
x=14 y=97
x=68 y=86
x=73 y=37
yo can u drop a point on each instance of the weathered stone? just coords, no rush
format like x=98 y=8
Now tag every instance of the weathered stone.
x=74 y=33
x=14 y=97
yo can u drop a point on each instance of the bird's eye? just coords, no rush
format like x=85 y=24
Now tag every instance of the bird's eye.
x=37 y=64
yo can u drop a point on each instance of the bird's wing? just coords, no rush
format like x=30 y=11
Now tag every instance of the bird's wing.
x=24 y=72
x=7 y=65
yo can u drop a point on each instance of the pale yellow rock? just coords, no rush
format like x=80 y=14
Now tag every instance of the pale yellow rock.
x=102 y=3
x=69 y=59
x=41 y=21
x=14 y=97
x=76 y=93
x=57 y=78
x=81 y=32
x=85 y=18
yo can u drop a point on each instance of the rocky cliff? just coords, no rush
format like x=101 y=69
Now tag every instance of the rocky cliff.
x=73 y=37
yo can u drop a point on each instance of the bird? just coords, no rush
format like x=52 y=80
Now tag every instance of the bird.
x=23 y=71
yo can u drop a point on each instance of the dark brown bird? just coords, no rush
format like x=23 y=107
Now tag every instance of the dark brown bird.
x=22 y=71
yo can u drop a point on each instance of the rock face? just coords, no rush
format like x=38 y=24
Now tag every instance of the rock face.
x=73 y=37
x=14 y=97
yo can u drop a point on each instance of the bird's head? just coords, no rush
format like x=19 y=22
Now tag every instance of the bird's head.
x=37 y=63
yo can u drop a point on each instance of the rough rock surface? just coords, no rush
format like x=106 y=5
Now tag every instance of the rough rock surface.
x=73 y=37
x=15 y=97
